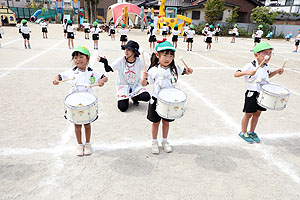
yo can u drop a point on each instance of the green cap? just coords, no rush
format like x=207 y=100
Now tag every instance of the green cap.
x=24 y=21
x=123 y=25
x=152 y=25
x=206 y=24
x=95 y=23
x=165 y=45
x=261 y=46
x=260 y=26
x=211 y=26
x=192 y=26
x=82 y=49
x=69 y=21
x=235 y=25
x=85 y=20
x=186 y=24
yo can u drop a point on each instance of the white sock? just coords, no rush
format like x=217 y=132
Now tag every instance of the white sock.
x=154 y=140
x=80 y=144
x=165 y=140
x=87 y=143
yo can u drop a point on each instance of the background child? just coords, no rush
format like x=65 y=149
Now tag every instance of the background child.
x=251 y=109
x=162 y=73
x=258 y=34
x=164 y=30
x=175 y=34
x=1 y=32
x=65 y=27
x=95 y=31
x=44 y=28
x=235 y=33
x=129 y=78
x=85 y=76
x=123 y=32
x=86 y=29
x=185 y=30
x=209 y=34
x=112 y=31
x=190 y=36
x=70 y=34
x=25 y=33
x=152 y=38
x=297 y=40
x=217 y=32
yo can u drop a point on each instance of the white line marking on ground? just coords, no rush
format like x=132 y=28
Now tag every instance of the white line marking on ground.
x=32 y=58
x=7 y=43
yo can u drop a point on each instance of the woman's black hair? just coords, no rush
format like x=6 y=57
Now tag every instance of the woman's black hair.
x=155 y=61
x=77 y=53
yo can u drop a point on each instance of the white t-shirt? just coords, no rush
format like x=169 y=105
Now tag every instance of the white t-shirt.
x=70 y=29
x=112 y=27
x=123 y=31
x=235 y=30
x=65 y=26
x=129 y=77
x=162 y=78
x=165 y=28
x=259 y=33
x=86 y=25
x=210 y=33
x=43 y=24
x=19 y=26
x=82 y=78
x=95 y=30
x=256 y=80
x=218 y=29
x=190 y=34
x=176 y=32
x=186 y=28
x=25 y=29
x=298 y=37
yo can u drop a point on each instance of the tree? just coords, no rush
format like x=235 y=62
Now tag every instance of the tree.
x=33 y=5
x=91 y=7
x=213 y=10
x=263 y=16
x=233 y=17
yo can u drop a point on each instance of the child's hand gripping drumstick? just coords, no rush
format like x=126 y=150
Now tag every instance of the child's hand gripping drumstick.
x=68 y=79
x=262 y=62
x=100 y=84
x=188 y=70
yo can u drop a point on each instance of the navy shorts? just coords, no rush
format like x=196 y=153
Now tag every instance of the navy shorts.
x=251 y=105
x=152 y=114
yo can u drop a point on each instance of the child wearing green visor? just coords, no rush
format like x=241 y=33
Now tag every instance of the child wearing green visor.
x=162 y=73
x=263 y=54
x=84 y=76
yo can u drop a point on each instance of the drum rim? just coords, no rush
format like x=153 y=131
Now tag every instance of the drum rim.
x=77 y=107
x=268 y=92
x=158 y=98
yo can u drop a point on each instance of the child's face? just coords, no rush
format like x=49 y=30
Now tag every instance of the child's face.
x=128 y=53
x=165 y=59
x=261 y=55
x=81 y=61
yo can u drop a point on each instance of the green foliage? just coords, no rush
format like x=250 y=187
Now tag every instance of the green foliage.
x=44 y=10
x=213 y=10
x=33 y=5
x=234 y=16
x=263 y=15
x=198 y=28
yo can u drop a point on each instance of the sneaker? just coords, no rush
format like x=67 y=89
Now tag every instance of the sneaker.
x=88 y=149
x=79 y=150
x=25 y=47
x=155 y=148
x=254 y=137
x=29 y=47
x=294 y=51
x=167 y=148
x=136 y=103
x=246 y=137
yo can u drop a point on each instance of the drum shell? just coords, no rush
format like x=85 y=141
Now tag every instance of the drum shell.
x=81 y=114
x=170 y=110
x=272 y=101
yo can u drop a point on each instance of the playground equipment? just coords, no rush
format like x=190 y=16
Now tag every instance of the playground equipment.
x=142 y=16
x=35 y=15
x=114 y=13
x=288 y=36
x=270 y=34
x=169 y=15
x=8 y=16
x=68 y=9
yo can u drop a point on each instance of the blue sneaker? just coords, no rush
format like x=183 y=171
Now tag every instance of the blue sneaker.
x=254 y=136
x=294 y=51
x=246 y=137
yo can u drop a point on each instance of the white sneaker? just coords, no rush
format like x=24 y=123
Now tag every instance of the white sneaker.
x=88 y=149
x=155 y=148
x=79 y=150
x=167 y=148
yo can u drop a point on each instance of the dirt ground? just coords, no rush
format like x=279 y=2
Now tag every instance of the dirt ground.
x=209 y=160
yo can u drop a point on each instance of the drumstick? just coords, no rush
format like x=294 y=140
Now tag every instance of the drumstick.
x=144 y=61
x=181 y=59
x=285 y=62
x=68 y=79
x=89 y=86
x=265 y=58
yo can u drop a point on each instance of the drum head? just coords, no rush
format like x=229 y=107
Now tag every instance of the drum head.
x=80 y=99
x=172 y=95
x=275 y=89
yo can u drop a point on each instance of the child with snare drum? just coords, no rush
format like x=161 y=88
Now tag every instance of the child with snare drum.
x=129 y=69
x=255 y=76
x=162 y=73
x=84 y=77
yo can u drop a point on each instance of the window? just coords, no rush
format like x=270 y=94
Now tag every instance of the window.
x=288 y=2
x=100 y=11
x=28 y=1
x=17 y=0
x=195 y=14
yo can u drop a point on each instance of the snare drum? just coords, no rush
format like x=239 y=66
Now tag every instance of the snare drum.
x=273 y=97
x=81 y=107
x=170 y=103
